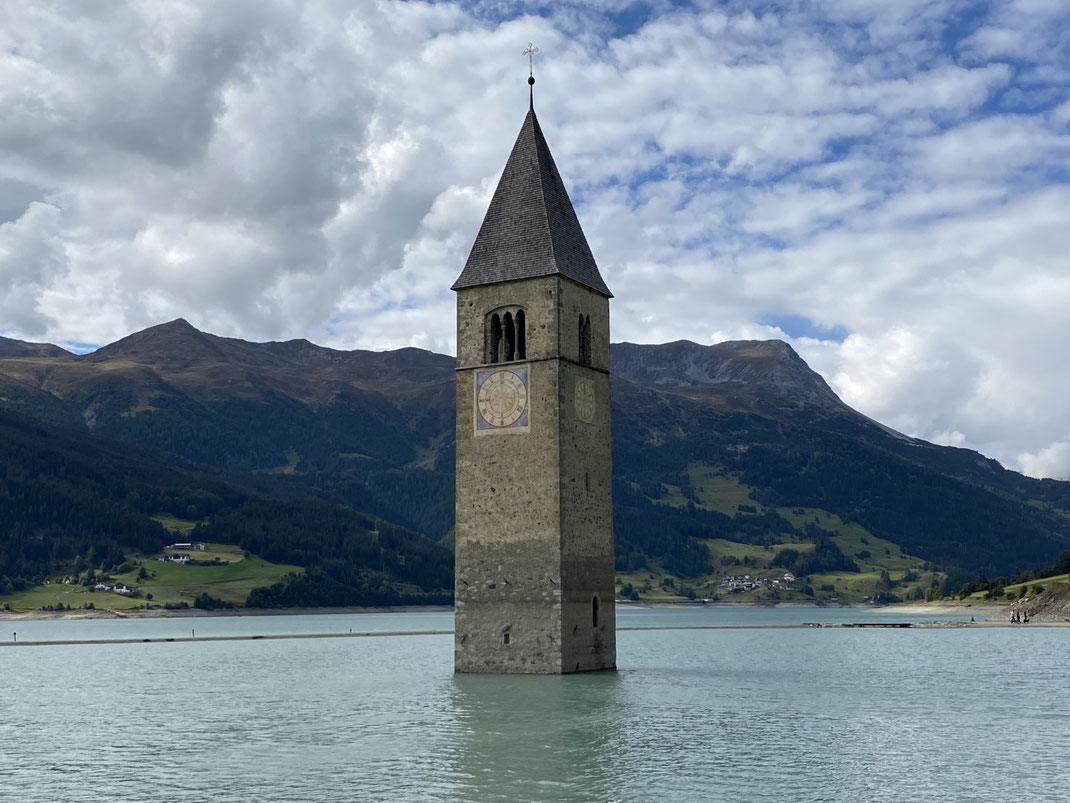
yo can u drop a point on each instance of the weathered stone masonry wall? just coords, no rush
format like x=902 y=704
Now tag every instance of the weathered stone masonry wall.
x=534 y=516
x=586 y=496
x=508 y=525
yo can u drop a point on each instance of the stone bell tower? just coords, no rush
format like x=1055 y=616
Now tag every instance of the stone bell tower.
x=534 y=534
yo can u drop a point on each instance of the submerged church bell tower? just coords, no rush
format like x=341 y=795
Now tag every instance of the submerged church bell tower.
x=534 y=532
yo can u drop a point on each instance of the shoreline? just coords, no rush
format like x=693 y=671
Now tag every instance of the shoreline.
x=165 y=613
x=187 y=613
x=400 y=633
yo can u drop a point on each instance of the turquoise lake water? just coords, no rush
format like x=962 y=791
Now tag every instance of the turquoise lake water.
x=693 y=715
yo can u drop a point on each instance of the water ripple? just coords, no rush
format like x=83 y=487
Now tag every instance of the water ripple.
x=800 y=715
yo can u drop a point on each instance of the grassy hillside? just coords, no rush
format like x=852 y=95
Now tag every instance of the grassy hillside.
x=883 y=568
x=1013 y=591
x=170 y=584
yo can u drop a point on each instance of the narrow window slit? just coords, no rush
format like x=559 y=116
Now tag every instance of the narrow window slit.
x=494 y=339
x=584 y=331
x=509 y=352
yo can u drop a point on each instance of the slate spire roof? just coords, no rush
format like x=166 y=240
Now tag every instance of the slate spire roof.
x=530 y=228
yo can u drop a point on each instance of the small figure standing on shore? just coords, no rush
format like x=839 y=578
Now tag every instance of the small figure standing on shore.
x=15 y=637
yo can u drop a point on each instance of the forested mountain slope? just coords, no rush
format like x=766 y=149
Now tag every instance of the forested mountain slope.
x=69 y=502
x=738 y=442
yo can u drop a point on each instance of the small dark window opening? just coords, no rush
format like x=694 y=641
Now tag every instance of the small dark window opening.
x=505 y=638
x=494 y=338
x=594 y=612
x=521 y=336
x=585 y=339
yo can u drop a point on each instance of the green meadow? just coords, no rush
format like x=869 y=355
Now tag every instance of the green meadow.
x=168 y=583
x=175 y=524
x=1017 y=590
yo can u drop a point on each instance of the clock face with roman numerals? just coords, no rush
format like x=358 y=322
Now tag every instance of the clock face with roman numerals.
x=502 y=399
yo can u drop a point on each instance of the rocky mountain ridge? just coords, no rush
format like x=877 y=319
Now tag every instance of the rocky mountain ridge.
x=178 y=345
x=374 y=431
x=771 y=364
x=20 y=348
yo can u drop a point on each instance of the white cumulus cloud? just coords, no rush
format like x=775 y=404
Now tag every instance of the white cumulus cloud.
x=892 y=173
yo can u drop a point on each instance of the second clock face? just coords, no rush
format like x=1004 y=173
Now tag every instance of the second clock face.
x=584 y=400
x=501 y=398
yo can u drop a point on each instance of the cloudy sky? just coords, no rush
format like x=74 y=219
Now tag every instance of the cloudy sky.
x=885 y=185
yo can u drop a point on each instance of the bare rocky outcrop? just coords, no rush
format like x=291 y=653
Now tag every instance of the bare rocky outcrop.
x=1050 y=605
x=772 y=364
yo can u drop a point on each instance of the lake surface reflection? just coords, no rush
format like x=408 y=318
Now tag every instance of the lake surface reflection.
x=800 y=715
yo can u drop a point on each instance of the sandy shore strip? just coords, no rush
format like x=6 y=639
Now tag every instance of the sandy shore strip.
x=949 y=606
x=973 y=608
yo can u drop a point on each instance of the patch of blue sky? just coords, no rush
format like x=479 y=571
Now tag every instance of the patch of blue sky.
x=679 y=167
x=617 y=18
x=697 y=175
x=1026 y=97
x=633 y=16
x=332 y=327
x=78 y=347
x=1054 y=173
x=837 y=148
x=769 y=242
x=961 y=23
x=796 y=326
x=403 y=305
x=693 y=175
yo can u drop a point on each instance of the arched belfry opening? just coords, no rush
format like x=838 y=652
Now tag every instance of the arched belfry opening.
x=505 y=335
x=584 y=330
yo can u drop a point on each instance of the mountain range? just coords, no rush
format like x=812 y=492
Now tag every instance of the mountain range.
x=737 y=443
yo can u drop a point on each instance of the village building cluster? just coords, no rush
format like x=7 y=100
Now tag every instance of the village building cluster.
x=737 y=584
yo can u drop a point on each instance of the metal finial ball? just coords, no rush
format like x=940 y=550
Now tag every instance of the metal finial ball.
x=531 y=80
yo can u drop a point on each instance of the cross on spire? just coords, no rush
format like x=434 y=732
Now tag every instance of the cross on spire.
x=530 y=52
